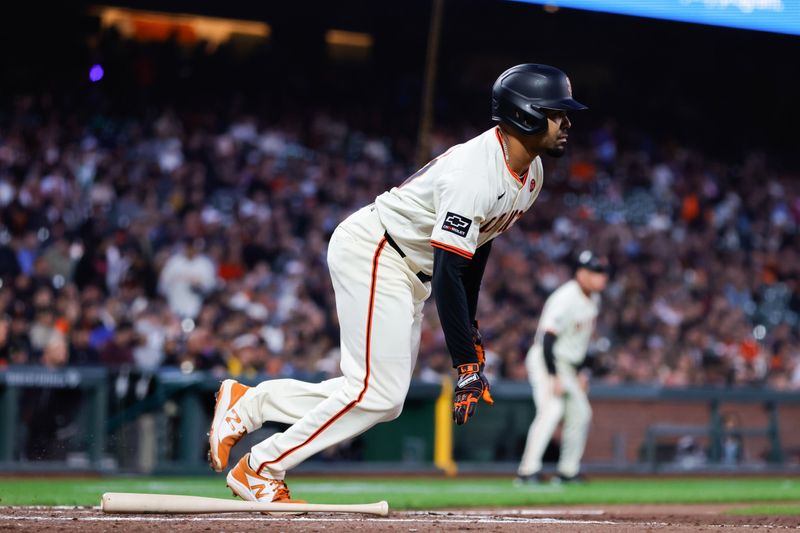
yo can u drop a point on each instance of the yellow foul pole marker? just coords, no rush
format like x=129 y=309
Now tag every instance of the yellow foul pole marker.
x=443 y=429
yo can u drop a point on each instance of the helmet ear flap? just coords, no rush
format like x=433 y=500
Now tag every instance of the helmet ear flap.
x=534 y=120
x=530 y=121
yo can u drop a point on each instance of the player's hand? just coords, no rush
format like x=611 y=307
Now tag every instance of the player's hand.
x=471 y=386
x=477 y=340
x=558 y=387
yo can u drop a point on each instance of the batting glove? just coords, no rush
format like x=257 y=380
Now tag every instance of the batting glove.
x=471 y=386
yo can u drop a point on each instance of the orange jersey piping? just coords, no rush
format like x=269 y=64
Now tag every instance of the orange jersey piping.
x=453 y=249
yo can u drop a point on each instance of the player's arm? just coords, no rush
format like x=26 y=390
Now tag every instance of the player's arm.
x=553 y=321
x=449 y=272
x=453 y=305
x=472 y=284
x=548 y=343
x=461 y=204
x=473 y=276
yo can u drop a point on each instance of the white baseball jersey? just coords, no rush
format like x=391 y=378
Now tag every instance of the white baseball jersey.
x=570 y=314
x=459 y=201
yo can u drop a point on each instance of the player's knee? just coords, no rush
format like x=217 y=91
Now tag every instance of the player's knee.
x=385 y=407
x=393 y=412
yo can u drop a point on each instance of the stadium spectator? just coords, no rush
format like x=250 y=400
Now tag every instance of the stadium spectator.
x=49 y=415
x=187 y=277
x=95 y=203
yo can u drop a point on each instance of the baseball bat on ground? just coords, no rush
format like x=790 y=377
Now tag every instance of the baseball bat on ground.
x=128 y=502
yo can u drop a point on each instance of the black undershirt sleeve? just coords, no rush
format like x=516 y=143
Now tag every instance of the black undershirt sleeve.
x=586 y=364
x=473 y=276
x=549 y=356
x=452 y=304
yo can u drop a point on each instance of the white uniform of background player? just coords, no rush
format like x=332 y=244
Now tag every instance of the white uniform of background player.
x=380 y=260
x=569 y=314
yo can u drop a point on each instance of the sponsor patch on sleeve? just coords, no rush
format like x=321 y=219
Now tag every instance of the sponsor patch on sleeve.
x=456 y=224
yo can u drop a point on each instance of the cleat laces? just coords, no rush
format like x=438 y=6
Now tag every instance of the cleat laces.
x=281 y=490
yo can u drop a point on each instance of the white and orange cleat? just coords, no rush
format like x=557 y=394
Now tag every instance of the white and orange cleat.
x=248 y=485
x=227 y=427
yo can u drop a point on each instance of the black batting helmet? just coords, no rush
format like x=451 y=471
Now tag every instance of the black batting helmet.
x=521 y=93
x=588 y=260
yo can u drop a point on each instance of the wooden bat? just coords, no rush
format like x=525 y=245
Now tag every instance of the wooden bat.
x=128 y=502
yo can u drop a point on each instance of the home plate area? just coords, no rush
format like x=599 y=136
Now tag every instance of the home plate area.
x=583 y=518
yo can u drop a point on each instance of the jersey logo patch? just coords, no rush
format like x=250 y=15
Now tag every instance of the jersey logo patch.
x=456 y=224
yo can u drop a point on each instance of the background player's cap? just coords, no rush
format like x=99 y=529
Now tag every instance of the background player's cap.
x=588 y=260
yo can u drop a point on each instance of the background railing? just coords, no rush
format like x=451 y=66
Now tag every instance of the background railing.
x=93 y=419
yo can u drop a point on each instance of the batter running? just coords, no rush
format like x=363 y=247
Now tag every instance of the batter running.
x=431 y=234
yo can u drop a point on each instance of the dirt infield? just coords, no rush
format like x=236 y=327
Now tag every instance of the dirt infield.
x=599 y=518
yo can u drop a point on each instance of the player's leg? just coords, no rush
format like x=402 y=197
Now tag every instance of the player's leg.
x=377 y=305
x=549 y=410
x=577 y=419
x=240 y=409
x=287 y=400
x=416 y=331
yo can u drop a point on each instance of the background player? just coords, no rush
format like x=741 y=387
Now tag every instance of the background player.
x=554 y=361
x=431 y=234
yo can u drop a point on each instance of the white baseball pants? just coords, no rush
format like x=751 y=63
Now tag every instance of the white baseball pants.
x=379 y=304
x=573 y=407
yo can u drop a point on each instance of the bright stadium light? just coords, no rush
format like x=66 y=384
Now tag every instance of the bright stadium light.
x=778 y=16
x=187 y=28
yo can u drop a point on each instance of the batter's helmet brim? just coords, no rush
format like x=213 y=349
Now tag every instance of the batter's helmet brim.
x=565 y=104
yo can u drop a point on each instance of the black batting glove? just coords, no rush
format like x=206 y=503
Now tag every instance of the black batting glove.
x=471 y=386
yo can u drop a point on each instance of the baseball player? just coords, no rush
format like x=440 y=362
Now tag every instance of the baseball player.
x=432 y=234
x=554 y=362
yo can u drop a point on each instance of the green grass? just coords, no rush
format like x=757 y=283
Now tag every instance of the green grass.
x=421 y=493
x=767 y=510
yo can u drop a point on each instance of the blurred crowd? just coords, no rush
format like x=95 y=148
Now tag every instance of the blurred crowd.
x=176 y=239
